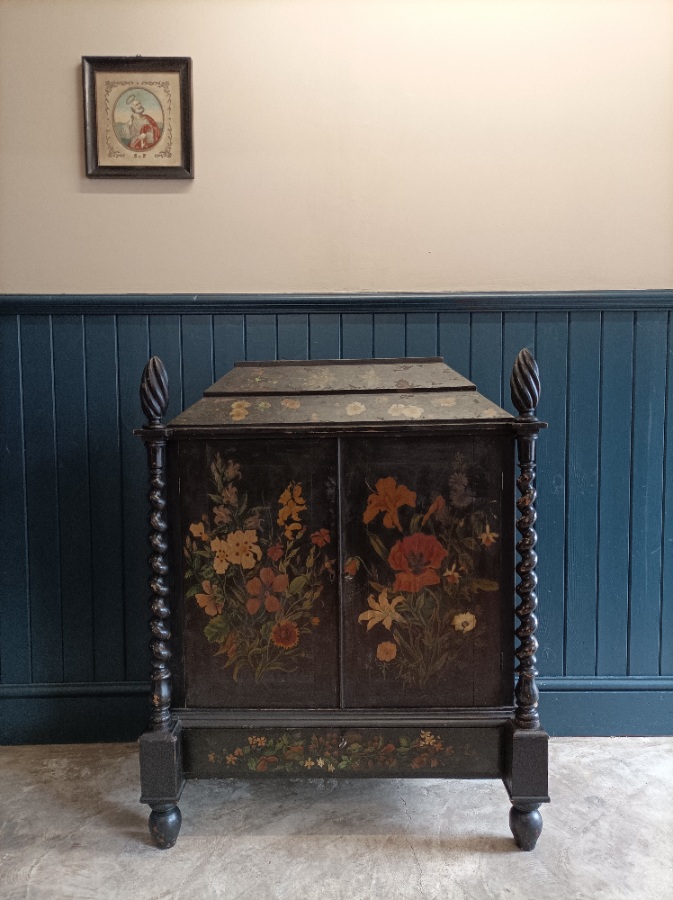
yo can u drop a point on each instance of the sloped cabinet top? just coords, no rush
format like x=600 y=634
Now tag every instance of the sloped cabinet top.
x=340 y=393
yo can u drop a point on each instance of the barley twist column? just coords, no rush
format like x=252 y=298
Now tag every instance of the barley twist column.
x=525 y=386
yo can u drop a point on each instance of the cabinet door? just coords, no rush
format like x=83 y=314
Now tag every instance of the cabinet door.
x=427 y=572
x=259 y=573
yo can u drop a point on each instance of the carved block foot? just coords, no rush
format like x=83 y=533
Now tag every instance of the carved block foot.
x=526 y=824
x=164 y=824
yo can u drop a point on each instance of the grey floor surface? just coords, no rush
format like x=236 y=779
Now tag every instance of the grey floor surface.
x=71 y=827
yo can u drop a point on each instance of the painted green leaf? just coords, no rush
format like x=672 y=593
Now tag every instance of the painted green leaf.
x=378 y=546
x=217 y=629
x=298 y=584
x=483 y=584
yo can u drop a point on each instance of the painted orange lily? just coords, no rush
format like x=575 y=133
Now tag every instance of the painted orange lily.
x=389 y=497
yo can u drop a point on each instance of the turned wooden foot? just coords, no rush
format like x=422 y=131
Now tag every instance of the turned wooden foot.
x=526 y=824
x=164 y=824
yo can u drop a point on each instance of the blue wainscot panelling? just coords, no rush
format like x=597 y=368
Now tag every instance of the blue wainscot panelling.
x=73 y=555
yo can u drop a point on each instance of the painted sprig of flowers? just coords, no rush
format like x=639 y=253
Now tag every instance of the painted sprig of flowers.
x=424 y=574
x=257 y=574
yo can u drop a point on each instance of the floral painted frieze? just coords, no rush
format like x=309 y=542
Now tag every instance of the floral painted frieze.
x=257 y=571
x=424 y=571
x=332 y=752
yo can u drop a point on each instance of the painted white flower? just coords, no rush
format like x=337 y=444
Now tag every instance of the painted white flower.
x=409 y=412
x=355 y=408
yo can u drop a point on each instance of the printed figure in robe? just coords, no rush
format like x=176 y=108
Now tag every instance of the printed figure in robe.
x=141 y=130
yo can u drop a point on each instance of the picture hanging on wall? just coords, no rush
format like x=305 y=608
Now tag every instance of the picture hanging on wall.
x=138 y=116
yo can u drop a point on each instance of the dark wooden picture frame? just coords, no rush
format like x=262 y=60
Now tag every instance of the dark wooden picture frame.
x=138 y=116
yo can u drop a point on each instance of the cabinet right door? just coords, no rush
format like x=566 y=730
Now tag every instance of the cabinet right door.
x=427 y=571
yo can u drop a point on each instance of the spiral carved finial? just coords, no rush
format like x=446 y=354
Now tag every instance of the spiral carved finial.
x=525 y=384
x=154 y=391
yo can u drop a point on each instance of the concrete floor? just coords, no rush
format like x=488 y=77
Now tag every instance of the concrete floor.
x=72 y=827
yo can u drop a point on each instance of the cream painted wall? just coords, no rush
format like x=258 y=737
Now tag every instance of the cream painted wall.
x=350 y=145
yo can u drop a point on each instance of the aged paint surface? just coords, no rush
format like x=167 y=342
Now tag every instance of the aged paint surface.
x=421 y=572
x=340 y=376
x=345 y=752
x=259 y=568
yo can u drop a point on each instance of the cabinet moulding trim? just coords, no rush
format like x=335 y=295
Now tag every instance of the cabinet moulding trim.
x=367 y=303
x=141 y=688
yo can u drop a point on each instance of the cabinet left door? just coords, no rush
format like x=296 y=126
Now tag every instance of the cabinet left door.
x=258 y=591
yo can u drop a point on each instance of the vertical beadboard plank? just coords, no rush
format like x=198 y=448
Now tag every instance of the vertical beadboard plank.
x=582 y=491
x=422 y=338
x=261 y=337
x=73 y=489
x=518 y=331
x=228 y=342
x=325 y=336
x=614 y=497
x=105 y=492
x=552 y=357
x=389 y=335
x=166 y=343
x=454 y=341
x=197 y=357
x=357 y=336
x=42 y=499
x=649 y=373
x=666 y=647
x=133 y=352
x=14 y=594
x=487 y=354
x=293 y=336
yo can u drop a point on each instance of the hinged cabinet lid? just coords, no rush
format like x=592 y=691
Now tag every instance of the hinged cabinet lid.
x=339 y=392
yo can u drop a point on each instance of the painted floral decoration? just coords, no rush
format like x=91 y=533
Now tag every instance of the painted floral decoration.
x=424 y=573
x=256 y=573
x=333 y=753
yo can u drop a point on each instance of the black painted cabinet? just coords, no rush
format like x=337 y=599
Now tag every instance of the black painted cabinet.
x=333 y=552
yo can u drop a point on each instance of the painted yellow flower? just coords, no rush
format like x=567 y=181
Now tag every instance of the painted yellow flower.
x=230 y=495
x=386 y=651
x=488 y=537
x=428 y=739
x=233 y=469
x=382 y=610
x=222 y=515
x=330 y=767
x=239 y=410
x=199 y=531
x=290 y=403
x=241 y=548
x=320 y=762
x=464 y=622
x=292 y=505
x=209 y=601
x=309 y=763
x=355 y=408
x=211 y=757
x=452 y=575
x=231 y=759
x=221 y=561
x=403 y=409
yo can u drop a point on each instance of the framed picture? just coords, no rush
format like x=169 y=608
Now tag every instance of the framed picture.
x=138 y=116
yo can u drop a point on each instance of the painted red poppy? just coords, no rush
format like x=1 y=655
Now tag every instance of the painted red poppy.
x=416 y=559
